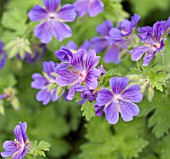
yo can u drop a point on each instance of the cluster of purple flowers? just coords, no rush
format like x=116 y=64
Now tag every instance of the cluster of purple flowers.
x=153 y=38
x=52 y=17
x=114 y=39
x=17 y=149
x=77 y=71
x=3 y=56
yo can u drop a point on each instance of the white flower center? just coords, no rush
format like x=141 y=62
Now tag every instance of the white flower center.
x=156 y=45
x=52 y=16
x=117 y=97
x=82 y=75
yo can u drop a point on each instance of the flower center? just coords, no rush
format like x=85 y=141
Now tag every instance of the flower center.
x=82 y=75
x=117 y=97
x=156 y=45
x=52 y=16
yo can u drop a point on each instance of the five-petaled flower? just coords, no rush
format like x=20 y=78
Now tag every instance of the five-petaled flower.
x=52 y=18
x=119 y=99
x=81 y=74
x=3 y=56
x=153 y=38
x=46 y=84
x=92 y=7
x=17 y=148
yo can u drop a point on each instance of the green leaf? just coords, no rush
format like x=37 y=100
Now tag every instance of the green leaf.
x=42 y=147
x=163 y=147
x=88 y=110
x=157 y=79
x=104 y=143
x=39 y=148
x=130 y=142
x=13 y=52
x=159 y=120
x=18 y=46
x=15 y=19
x=29 y=156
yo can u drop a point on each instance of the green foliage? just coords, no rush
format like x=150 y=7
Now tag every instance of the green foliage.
x=114 y=10
x=153 y=76
x=157 y=79
x=38 y=149
x=144 y=7
x=119 y=143
x=88 y=110
x=163 y=148
x=18 y=46
x=7 y=81
x=159 y=120
x=15 y=19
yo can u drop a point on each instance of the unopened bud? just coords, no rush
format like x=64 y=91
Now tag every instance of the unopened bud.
x=150 y=93
x=134 y=78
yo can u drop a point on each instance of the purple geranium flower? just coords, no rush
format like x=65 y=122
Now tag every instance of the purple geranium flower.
x=119 y=99
x=127 y=26
x=93 y=7
x=52 y=18
x=46 y=84
x=17 y=148
x=81 y=75
x=3 y=56
x=66 y=53
x=114 y=39
x=153 y=38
